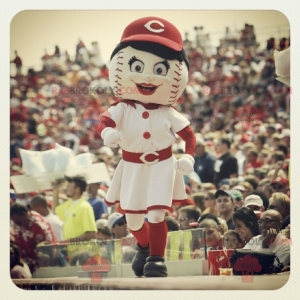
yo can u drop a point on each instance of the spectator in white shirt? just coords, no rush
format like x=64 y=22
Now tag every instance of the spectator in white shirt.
x=271 y=239
x=39 y=204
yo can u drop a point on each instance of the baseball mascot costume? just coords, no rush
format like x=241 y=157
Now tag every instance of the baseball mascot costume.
x=148 y=73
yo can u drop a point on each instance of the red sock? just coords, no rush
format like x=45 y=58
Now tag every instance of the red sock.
x=158 y=238
x=142 y=235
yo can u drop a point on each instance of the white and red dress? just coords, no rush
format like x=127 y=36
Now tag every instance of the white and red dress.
x=136 y=184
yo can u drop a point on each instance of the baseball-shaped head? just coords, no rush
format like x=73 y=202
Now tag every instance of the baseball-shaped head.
x=149 y=65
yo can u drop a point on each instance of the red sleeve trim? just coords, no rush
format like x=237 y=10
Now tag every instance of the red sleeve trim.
x=188 y=136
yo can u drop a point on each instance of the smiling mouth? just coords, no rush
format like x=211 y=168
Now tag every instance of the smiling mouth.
x=146 y=88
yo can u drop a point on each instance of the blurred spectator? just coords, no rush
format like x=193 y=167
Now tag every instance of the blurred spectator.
x=231 y=240
x=213 y=234
x=271 y=239
x=117 y=225
x=172 y=224
x=18 y=268
x=30 y=229
x=204 y=162
x=103 y=232
x=98 y=204
x=18 y=62
x=188 y=214
x=39 y=204
x=199 y=199
x=226 y=165
x=280 y=185
x=223 y=225
x=76 y=213
x=225 y=206
x=245 y=222
x=238 y=198
x=210 y=203
x=252 y=160
x=255 y=203
x=281 y=203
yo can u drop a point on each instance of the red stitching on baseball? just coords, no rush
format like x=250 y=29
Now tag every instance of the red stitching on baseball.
x=118 y=70
x=176 y=86
x=175 y=92
x=177 y=79
x=177 y=73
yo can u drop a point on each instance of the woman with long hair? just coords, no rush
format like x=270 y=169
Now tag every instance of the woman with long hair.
x=245 y=223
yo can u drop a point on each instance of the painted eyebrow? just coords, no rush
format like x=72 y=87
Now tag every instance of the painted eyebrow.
x=133 y=59
x=165 y=62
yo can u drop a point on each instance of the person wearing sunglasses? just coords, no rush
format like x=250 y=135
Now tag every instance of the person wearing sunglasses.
x=271 y=239
x=117 y=225
x=187 y=215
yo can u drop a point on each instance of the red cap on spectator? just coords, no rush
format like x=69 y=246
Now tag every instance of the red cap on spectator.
x=17 y=161
x=280 y=180
x=153 y=29
x=245 y=138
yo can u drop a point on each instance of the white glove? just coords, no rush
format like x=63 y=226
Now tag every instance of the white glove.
x=111 y=137
x=185 y=164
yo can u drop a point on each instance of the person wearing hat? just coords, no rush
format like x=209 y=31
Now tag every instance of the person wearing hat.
x=280 y=184
x=255 y=203
x=103 y=231
x=117 y=225
x=225 y=205
x=238 y=197
x=148 y=73
x=204 y=162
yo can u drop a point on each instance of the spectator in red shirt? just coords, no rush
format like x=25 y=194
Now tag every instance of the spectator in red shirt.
x=30 y=229
x=252 y=158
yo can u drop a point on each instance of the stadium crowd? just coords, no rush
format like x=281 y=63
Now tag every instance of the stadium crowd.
x=239 y=190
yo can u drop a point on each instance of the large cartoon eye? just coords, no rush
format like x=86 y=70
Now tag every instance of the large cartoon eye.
x=136 y=65
x=161 y=68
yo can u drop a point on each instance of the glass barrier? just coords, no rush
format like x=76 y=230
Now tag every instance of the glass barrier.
x=181 y=245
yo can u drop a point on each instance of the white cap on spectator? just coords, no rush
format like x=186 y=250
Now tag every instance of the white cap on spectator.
x=113 y=218
x=253 y=200
x=285 y=133
x=102 y=225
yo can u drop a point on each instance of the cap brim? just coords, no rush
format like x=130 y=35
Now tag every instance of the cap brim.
x=221 y=192
x=155 y=39
x=253 y=203
x=119 y=220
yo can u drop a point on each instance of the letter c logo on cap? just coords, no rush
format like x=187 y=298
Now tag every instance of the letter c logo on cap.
x=148 y=26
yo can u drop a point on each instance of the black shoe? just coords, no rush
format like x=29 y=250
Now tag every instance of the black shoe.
x=155 y=267
x=139 y=260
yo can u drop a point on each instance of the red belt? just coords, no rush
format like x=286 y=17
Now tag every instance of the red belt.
x=149 y=157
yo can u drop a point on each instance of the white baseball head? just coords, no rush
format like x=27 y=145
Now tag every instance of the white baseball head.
x=149 y=65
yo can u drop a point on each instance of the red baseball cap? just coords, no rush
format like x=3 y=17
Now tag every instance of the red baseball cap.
x=280 y=180
x=153 y=29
